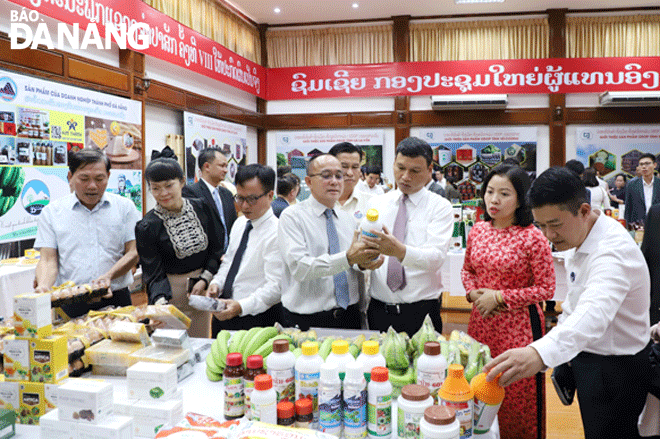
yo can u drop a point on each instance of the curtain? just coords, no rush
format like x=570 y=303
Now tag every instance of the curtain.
x=329 y=46
x=630 y=35
x=215 y=22
x=479 y=40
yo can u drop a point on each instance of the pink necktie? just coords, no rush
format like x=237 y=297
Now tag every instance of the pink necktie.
x=396 y=275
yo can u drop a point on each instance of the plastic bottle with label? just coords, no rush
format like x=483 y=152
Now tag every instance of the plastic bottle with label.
x=234 y=386
x=369 y=358
x=379 y=407
x=355 y=403
x=255 y=367
x=263 y=401
x=304 y=413
x=330 y=402
x=370 y=222
x=280 y=366
x=286 y=414
x=431 y=368
x=340 y=356
x=439 y=422
x=412 y=402
x=308 y=374
x=488 y=397
x=457 y=394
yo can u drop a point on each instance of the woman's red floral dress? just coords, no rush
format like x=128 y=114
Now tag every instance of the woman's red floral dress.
x=518 y=261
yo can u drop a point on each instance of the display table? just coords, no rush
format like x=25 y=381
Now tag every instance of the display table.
x=200 y=396
x=14 y=280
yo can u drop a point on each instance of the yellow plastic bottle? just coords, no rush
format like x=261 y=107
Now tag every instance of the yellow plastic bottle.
x=488 y=397
x=457 y=394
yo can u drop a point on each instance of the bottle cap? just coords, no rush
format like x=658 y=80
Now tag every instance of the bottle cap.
x=379 y=374
x=488 y=392
x=372 y=215
x=255 y=362
x=432 y=348
x=370 y=347
x=330 y=373
x=415 y=392
x=303 y=406
x=354 y=372
x=339 y=347
x=455 y=371
x=310 y=348
x=439 y=415
x=234 y=359
x=280 y=346
x=263 y=382
x=285 y=410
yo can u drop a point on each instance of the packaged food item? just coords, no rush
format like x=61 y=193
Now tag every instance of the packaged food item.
x=16 y=359
x=151 y=416
x=49 y=362
x=32 y=402
x=9 y=395
x=113 y=353
x=157 y=354
x=32 y=317
x=84 y=401
x=52 y=428
x=131 y=332
x=168 y=315
x=112 y=427
x=151 y=381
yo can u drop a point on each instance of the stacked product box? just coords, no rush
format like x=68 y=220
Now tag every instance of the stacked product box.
x=35 y=361
x=85 y=411
x=154 y=399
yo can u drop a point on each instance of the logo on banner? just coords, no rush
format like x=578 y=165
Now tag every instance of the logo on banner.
x=35 y=196
x=134 y=37
x=586 y=135
x=8 y=89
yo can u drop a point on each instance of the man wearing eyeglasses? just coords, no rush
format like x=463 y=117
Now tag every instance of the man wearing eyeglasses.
x=213 y=167
x=248 y=280
x=642 y=192
x=322 y=284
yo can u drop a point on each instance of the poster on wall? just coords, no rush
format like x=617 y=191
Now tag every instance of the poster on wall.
x=467 y=154
x=295 y=148
x=202 y=132
x=40 y=123
x=615 y=149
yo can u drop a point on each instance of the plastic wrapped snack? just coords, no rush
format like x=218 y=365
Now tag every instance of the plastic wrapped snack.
x=156 y=354
x=129 y=331
x=204 y=303
x=112 y=353
x=168 y=315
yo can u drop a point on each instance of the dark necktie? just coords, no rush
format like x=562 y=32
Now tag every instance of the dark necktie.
x=340 y=279
x=221 y=212
x=396 y=275
x=236 y=263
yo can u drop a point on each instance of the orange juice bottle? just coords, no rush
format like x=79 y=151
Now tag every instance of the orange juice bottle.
x=457 y=394
x=488 y=397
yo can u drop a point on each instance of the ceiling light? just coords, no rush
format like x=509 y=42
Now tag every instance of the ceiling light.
x=277 y=10
x=355 y=5
x=458 y=2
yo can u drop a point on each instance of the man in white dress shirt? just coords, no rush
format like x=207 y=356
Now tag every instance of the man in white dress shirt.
x=351 y=200
x=604 y=328
x=318 y=241
x=249 y=277
x=417 y=228
x=372 y=181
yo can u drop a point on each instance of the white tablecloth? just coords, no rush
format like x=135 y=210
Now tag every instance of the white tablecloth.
x=14 y=280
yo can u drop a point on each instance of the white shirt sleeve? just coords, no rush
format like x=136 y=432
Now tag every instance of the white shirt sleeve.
x=46 y=236
x=431 y=254
x=269 y=293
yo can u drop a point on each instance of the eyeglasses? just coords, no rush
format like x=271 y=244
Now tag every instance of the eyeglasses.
x=251 y=200
x=327 y=175
x=649 y=163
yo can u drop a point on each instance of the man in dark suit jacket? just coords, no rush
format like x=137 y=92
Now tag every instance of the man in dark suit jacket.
x=651 y=250
x=287 y=189
x=635 y=203
x=213 y=165
x=434 y=186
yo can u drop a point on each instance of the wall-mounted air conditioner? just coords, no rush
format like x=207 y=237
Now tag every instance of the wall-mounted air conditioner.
x=468 y=102
x=630 y=99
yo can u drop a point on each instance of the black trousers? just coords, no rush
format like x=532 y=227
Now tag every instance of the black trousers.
x=121 y=297
x=404 y=317
x=266 y=318
x=612 y=391
x=348 y=318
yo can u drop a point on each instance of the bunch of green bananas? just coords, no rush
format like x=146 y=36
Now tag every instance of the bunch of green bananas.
x=425 y=333
x=12 y=179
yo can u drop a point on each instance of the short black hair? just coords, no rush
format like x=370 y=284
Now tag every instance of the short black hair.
x=372 y=170
x=346 y=147
x=622 y=176
x=575 y=166
x=86 y=157
x=207 y=155
x=589 y=177
x=415 y=147
x=521 y=182
x=163 y=169
x=558 y=186
x=264 y=174
x=282 y=170
x=315 y=158
x=646 y=155
x=285 y=184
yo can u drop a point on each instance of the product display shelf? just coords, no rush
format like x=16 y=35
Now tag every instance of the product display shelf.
x=205 y=397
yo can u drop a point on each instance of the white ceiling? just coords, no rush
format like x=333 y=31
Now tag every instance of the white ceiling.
x=307 y=11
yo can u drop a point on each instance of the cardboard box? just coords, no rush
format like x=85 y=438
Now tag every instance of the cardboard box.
x=9 y=396
x=49 y=359
x=50 y=393
x=84 y=401
x=52 y=428
x=149 y=416
x=151 y=381
x=32 y=404
x=16 y=359
x=32 y=317
x=112 y=427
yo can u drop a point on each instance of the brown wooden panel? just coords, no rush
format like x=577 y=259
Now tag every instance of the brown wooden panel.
x=557 y=33
x=201 y=105
x=370 y=119
x=611 y=115
x=557 y=125
x=297 y=121
x=38 y=59
x=163 y=94
x=97 y=74
x=522 y=116
x=401 y=40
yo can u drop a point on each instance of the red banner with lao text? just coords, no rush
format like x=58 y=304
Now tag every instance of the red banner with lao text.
x=522 y=76
x=169 y=40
